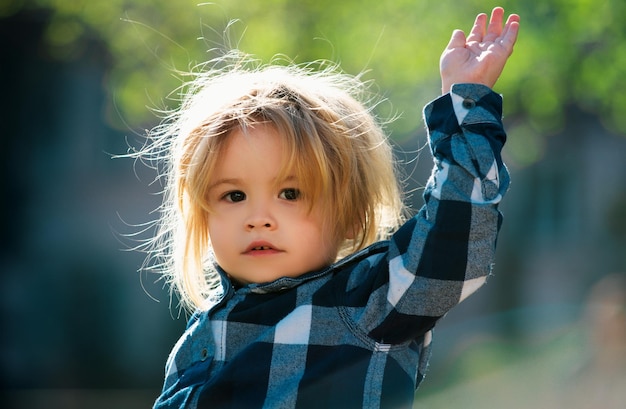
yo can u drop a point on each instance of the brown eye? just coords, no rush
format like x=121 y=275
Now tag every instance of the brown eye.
x=234 y=196
x=290 y=194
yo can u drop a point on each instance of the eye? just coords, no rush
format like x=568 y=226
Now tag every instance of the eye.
x=290 y=194
x=234 y=196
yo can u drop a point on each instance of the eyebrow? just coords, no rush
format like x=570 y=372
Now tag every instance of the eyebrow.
x=237 y=181
x=224 y=181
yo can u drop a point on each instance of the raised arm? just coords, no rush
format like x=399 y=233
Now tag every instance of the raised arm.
x=446 y=252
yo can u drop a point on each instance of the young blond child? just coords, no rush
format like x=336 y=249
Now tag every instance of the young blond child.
x=281 y=229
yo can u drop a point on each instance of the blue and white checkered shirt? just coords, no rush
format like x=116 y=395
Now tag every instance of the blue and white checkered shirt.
x=358 y=333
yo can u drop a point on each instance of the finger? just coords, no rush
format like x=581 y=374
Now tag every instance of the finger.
x=494 y=30
x=478 y=30
x=509 y=36
x=457 y=40
x=497 y=15
x=513 y=18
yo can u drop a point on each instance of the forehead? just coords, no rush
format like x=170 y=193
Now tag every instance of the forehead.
x=254 y=152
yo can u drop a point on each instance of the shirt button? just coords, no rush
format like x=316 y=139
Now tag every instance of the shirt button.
x=204 y=354
x=469 y=103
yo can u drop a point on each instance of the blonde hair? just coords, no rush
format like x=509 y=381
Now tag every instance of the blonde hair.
x=334 y=144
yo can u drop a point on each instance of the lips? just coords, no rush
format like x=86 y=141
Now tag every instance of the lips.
x=261 y=247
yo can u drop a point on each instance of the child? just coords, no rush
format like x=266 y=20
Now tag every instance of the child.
x=281 y=196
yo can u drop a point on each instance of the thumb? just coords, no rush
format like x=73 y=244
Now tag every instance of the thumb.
x=457 y=40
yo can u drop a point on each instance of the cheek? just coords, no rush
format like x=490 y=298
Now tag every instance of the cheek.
x=323 y=234
x=219 y=233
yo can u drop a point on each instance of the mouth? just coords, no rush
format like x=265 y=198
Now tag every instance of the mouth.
x=260 y=248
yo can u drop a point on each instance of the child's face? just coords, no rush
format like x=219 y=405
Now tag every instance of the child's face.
x=260 y=229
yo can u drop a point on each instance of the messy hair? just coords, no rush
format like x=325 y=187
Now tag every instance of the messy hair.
x=335 y=147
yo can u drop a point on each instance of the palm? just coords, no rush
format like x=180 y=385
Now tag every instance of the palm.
x=481 y=56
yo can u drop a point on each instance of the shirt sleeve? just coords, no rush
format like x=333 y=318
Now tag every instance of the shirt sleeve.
x=446 y=252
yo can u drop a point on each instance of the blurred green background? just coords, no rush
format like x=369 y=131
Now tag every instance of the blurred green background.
x=82 y=81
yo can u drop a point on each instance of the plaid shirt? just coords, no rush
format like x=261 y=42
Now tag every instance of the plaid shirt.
x=358 y=333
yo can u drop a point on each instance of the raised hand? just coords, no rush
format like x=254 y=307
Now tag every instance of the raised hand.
x=479 y=58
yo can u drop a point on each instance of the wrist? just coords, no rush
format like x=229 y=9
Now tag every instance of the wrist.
x=447 y=88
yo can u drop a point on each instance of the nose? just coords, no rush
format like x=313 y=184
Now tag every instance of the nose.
x=259 y=224
x=260 y=218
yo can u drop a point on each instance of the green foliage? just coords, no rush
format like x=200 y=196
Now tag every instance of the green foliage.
x=568 y=54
